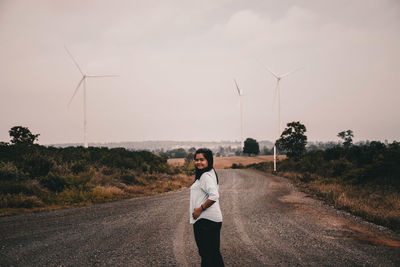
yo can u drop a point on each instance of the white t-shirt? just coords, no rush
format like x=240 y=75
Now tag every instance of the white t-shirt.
x=205 y=188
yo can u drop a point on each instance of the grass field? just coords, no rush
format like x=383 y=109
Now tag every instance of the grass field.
x=226 y=162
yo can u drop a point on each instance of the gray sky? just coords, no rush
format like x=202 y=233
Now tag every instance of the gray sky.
x=177 y=61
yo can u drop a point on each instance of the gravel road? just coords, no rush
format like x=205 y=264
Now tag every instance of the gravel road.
x=267 y=222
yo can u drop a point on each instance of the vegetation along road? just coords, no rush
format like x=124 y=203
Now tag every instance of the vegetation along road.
x=266 y=222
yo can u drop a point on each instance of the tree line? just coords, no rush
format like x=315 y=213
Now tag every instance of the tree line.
x=366 y=163
x=28 y=169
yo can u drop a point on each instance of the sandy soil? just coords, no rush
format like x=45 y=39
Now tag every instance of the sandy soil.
x=226 y=162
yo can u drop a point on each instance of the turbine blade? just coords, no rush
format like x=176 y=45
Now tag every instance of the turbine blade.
x=275 y=75
x=76 y=90
x=76 y=63
x=237 y=87
x=290 y=72
x=99 y=76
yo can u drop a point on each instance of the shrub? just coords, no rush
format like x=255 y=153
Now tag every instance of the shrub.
x=36 y=165
x=78 y=181
x=237 y=166
x=10 y=187
x=53 y=182
x=78 y=167
x=107 y=171
x=8 y=171
x=19 y=201
x=130 y=179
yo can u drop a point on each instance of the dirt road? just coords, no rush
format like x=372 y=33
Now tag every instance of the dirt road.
x=267 y=222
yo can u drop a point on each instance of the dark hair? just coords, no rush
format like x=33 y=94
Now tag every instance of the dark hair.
x=208 y=155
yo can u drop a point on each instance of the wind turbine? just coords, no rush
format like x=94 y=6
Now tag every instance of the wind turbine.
x=83 y=80
x=277 y=92
x=240 y=92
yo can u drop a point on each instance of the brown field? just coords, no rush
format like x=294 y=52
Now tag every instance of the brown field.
x=226 y=162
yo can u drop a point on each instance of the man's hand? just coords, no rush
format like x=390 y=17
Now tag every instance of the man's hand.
x=196 y=213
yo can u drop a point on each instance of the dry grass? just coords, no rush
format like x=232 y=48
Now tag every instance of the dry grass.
x=376 y=204
x=226 y=162
x=108 y=188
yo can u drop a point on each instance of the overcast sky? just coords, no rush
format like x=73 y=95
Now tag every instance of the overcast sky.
x=177 y=61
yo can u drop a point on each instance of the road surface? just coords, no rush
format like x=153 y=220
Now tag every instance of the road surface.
x=267 y=222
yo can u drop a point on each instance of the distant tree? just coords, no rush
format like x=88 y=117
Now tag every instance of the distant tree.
x=293 y=140
x=192 y=150
x=189 y=158
x=251 y=147
x=3 y=144
x=221 y=151
x=268 y=151
x=238 y=152
x=347 y=137
x=175 y=153
x=22 y=135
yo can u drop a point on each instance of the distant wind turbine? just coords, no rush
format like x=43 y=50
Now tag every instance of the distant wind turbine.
x=240 y=92
x=278 y=93
x=83 y=80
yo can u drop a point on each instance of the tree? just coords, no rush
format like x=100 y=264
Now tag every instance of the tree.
x=347 y=137
x=251 y=147
x=293 y=140
x=22 y=135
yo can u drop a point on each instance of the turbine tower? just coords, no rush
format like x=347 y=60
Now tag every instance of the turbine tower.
x=83 y=80
x=240 y=92
x=277 y=92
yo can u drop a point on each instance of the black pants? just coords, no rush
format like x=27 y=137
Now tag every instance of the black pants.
x=207 y=236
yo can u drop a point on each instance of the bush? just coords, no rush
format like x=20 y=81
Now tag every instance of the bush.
x=53 y=182
x=36 y=165
x=107 y=171
x=78 y=181
x=10 y=187
x=8 y=171
x=130 y=179
x=79 y=167
x=19 y=201
x=237 y=166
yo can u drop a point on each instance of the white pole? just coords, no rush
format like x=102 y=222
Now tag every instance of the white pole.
x=277 y=90
x=85 y=141
x=241 y=122
x=279 y=110
x=274 y=158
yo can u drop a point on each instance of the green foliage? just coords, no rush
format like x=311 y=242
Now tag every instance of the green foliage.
x=22 y=135
x=36 y=164
x=293 y=140
x=189 y=158
x=251 y=146
x=176 y=153
x=347 y=137
x=8 y=171
x=34 y=176
x=79 y=167
x=371 y=163
x=11 y=187
x=237 y=166
x=53 y=182
x=19 y=201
